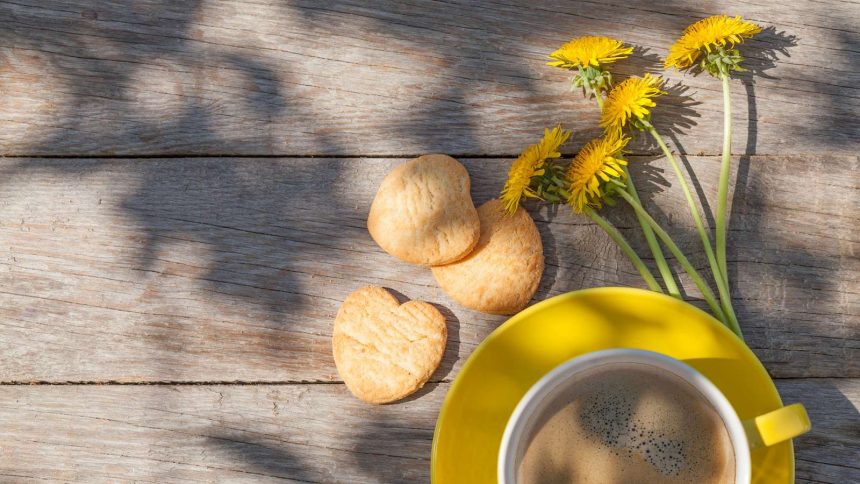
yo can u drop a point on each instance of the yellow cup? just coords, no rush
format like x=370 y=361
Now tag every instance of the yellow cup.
x=777 y=426
x=746 y=435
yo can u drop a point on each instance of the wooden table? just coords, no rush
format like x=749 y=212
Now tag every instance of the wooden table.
x=185 y=186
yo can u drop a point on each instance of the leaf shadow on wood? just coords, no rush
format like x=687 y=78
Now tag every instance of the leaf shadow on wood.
x=385 y=450
x=450 y=100
x=251 y=226
x=800 y=278
x=263 y=459
x=834 y=440
x=401 y=446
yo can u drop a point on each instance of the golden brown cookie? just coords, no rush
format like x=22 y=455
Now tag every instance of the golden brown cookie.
x=502 y=274
x=423 y=212
x=385 y=350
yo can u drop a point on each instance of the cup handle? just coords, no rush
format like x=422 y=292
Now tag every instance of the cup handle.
x=777 y=426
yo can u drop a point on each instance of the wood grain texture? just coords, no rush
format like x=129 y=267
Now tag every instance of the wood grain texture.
x=233 y=269
x=252 y=433
x=829 y=452
x=357 y=78
x=301 y=433
x=230 y=270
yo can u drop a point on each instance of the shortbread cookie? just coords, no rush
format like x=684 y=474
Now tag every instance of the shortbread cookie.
x=423 y=212
x=502 y=274
x=385 y=350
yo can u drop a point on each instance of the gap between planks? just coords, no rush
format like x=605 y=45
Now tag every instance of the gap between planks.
x=182 y=383
x=186 y=383
x=364 y=156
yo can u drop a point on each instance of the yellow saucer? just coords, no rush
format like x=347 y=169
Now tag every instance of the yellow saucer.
x=518 y=353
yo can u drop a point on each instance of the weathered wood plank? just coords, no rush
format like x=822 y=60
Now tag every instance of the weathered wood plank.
x=348 y=77
x=233 y=269
x=306 y=433
x=829 y=452
x=252 y=433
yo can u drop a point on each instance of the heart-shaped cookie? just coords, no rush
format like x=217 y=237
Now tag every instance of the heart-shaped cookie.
x=502 y=274
x=423 y=212
x=385 y=350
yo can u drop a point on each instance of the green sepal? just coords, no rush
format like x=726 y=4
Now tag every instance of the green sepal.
x=592 y=80
x=720 y=61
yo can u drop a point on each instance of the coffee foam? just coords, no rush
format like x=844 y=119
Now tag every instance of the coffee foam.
x=609 y=416
x=628 y=423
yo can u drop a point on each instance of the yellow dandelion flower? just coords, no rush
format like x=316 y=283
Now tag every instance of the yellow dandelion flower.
x=530 y=164
x=589 y=51
x=598 y=162
x=631 y=98
x=707 y=35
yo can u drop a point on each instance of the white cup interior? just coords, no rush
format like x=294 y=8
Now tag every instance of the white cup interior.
x=543 y=399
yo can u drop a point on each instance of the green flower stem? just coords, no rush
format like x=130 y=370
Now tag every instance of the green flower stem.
x=599 y=97
x=685 y=263
x=722 y=287
x=694 y=209
x=625 y=247
x=725 y=168
x=656 y=251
